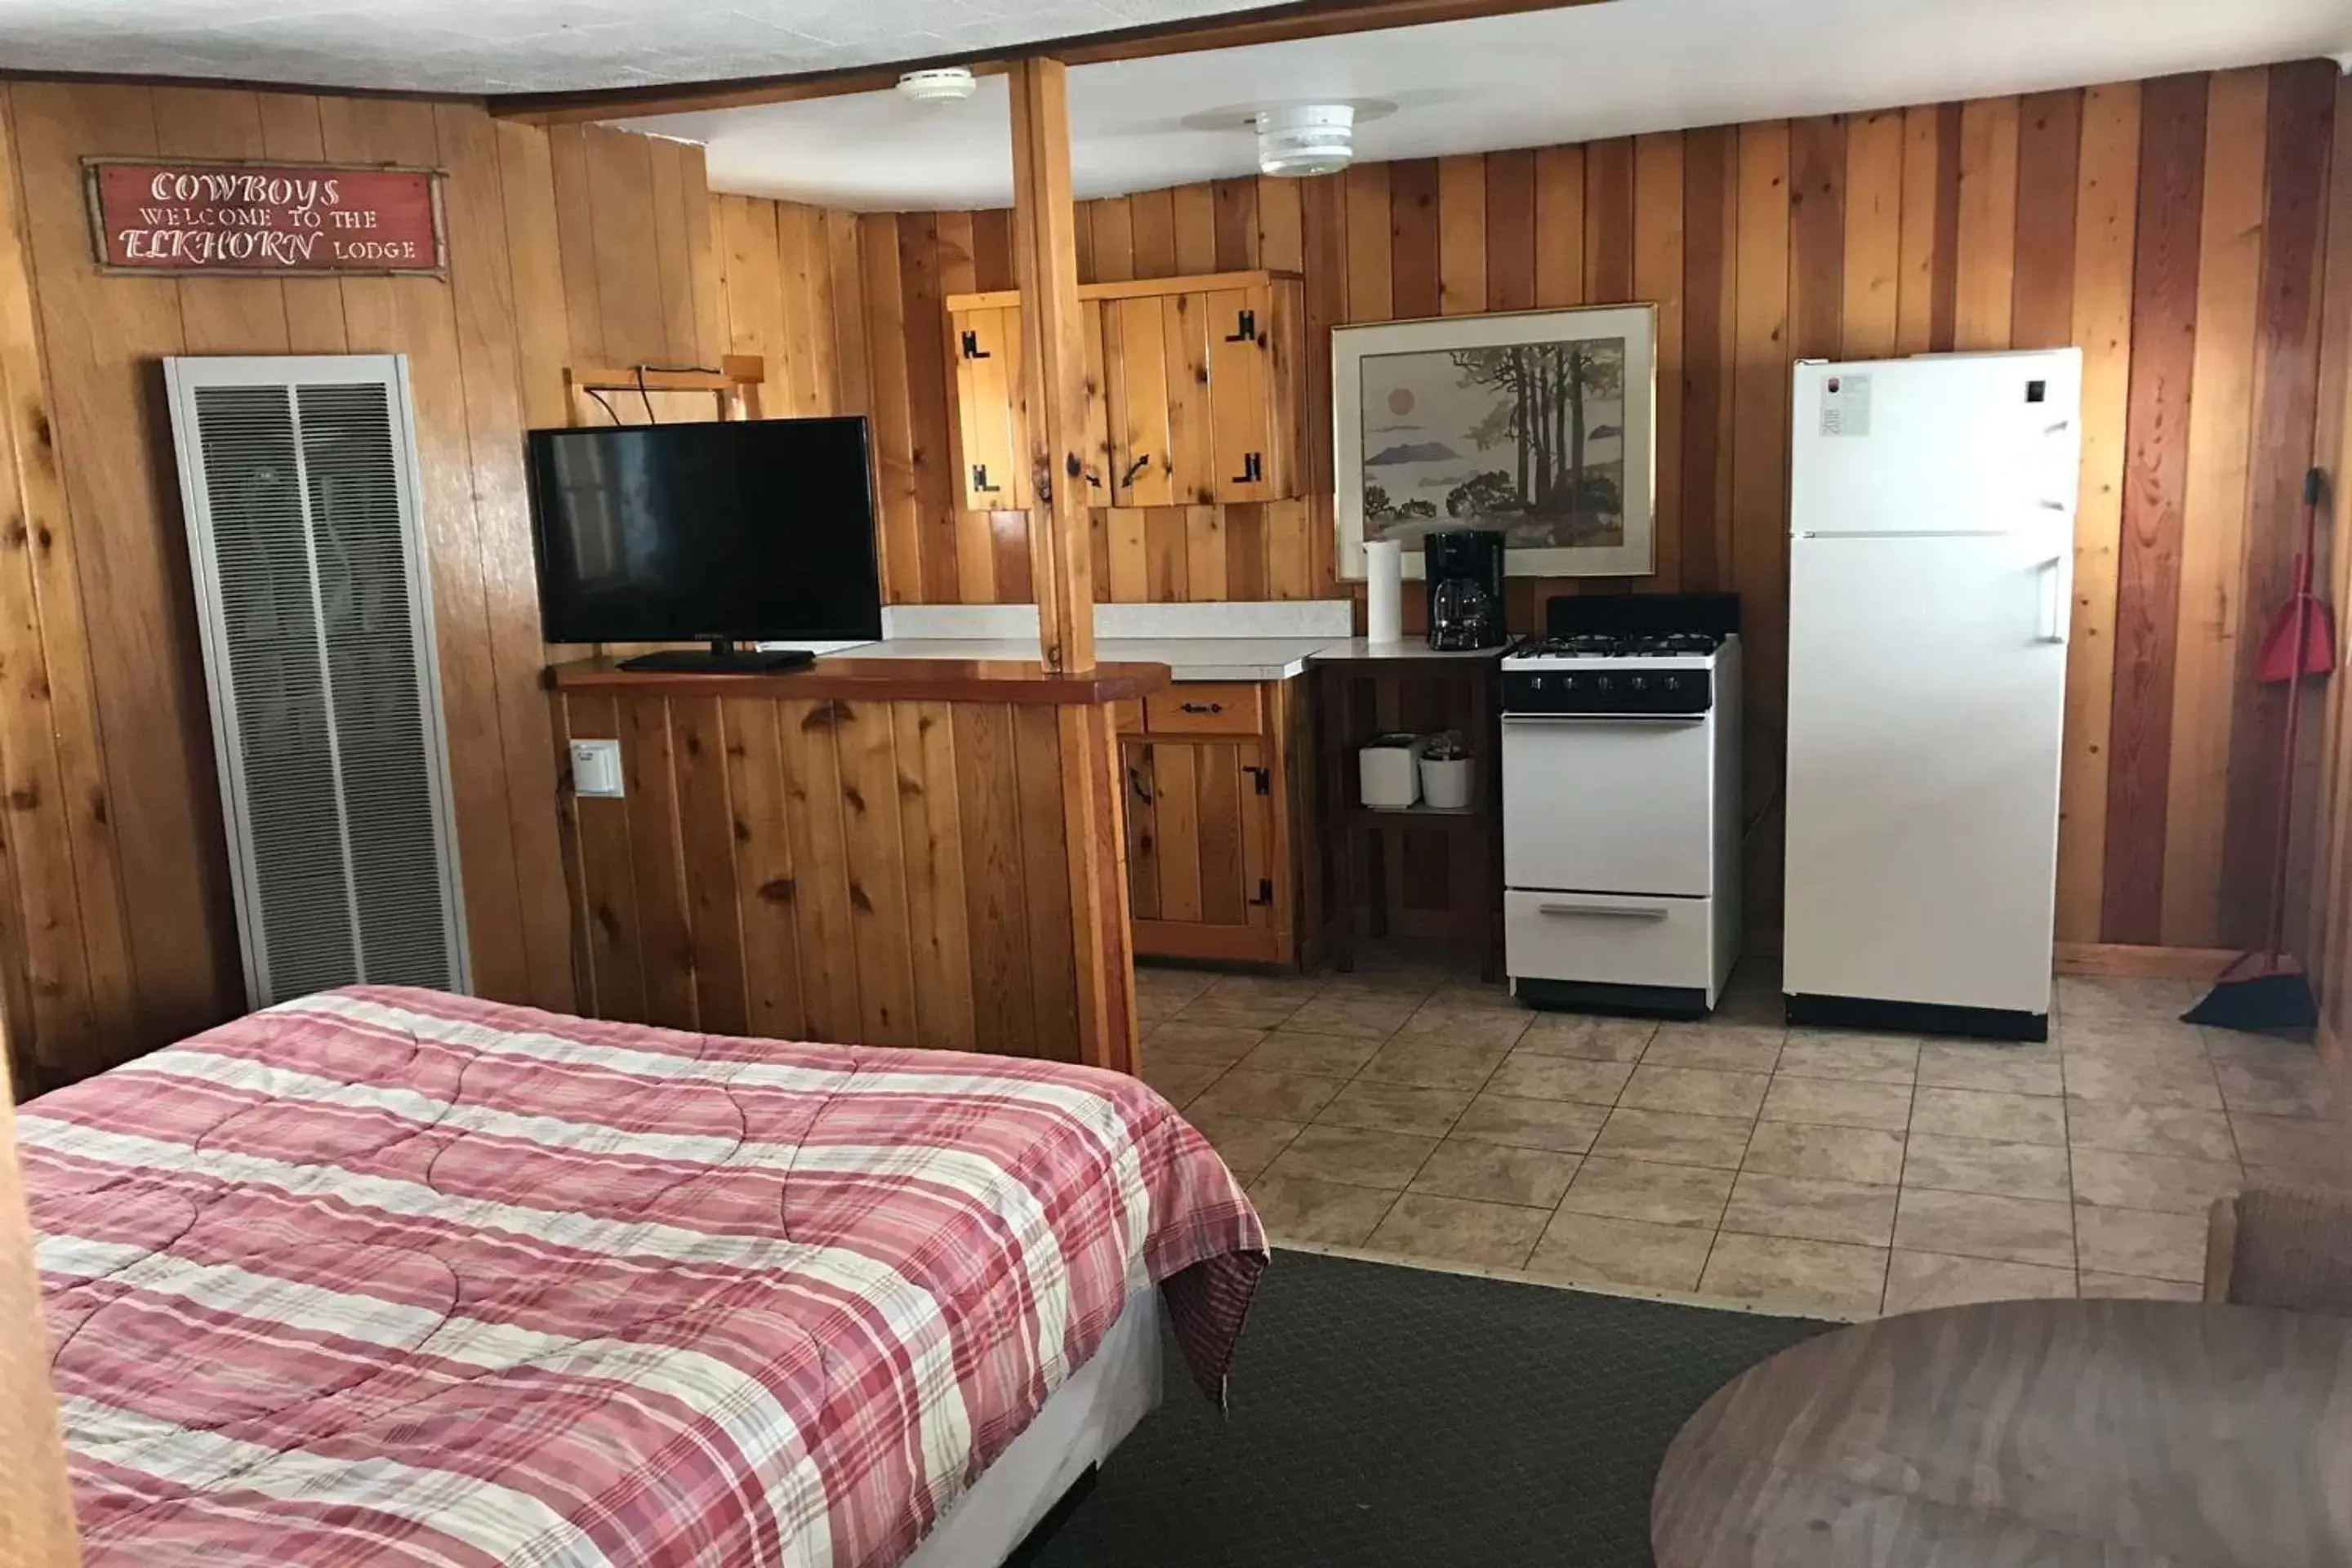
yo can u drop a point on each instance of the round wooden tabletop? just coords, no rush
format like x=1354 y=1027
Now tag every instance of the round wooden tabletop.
x=2109 y=1433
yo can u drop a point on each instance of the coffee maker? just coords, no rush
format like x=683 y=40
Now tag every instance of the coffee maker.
x=1465 y=571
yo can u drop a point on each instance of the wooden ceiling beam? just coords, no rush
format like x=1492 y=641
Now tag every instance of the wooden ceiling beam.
x=1271 y=25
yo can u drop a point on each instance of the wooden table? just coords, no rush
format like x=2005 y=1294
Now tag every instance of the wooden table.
x=2060 y=1433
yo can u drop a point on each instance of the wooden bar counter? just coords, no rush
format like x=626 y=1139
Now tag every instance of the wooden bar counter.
x=868 y=851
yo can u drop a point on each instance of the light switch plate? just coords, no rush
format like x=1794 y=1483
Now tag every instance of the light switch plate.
x=596 y=769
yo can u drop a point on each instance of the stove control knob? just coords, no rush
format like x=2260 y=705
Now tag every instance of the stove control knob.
x=1600 y=684
x=1640 y=683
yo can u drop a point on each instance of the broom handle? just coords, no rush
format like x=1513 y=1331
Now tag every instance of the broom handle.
x=2283 y=837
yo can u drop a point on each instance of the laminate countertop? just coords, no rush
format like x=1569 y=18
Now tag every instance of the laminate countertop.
x=1187 y=659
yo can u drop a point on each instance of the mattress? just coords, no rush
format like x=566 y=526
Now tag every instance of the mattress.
x=390 y=1277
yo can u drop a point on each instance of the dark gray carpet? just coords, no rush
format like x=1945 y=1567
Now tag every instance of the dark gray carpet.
x=1385 y=1416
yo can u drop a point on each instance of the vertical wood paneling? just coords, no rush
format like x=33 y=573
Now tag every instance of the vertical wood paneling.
x=1234 y=226
x=875 y=872
x=1873 y=243
x=1113 y=231
x=1987 y=256
x=1372 y=293
x=1560 y=226
x=924 y=324
x=2105 y=235
x=1609 y=222
x=2213 y=519
x=1460 y=236
x=1195 y=217
x=2049 y=150
x=1817 y=154
x=893 y=430
x=1759 y=437
x=2164 y=331
x=988 y=782
x=655 y=867
x=1658 y=277
x=1710 y=226
x=1413 y=238
x=1925 y=159
x=1510 y=207
x=705 y=831
x=766 y=893
x=939 y=945
x=820 y=893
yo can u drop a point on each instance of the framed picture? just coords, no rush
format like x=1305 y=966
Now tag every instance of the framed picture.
x=1537 y=424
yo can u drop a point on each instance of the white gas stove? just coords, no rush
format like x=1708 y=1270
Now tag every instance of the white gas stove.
x=1621 y=803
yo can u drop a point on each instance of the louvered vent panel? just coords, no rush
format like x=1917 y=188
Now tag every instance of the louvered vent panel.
x=317 y=629
x=377 y=680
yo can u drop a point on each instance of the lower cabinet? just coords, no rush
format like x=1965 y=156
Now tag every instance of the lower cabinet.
x=1218 y=803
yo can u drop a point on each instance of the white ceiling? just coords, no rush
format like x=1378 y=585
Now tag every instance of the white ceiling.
x=1524 y=80
x=535 y=46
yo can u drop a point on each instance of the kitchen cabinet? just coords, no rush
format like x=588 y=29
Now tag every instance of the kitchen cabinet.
x=1219 y=807
x=1192 y=392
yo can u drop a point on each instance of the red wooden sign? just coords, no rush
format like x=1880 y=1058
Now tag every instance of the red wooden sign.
x=187 y=217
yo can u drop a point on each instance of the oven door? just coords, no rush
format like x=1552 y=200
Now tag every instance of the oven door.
x=1610 y=803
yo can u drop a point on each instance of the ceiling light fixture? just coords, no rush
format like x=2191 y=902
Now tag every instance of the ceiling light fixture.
x=947 y=84
x=1300 y=138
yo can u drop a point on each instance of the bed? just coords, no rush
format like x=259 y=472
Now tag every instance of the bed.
x=389 y=1276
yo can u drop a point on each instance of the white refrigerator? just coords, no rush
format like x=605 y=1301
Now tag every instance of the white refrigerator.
x=1931 y=581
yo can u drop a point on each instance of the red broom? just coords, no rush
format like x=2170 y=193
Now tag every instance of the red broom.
x=2268 y=990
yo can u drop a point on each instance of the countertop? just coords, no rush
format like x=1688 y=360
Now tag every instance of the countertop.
x=1187 y=659
x=959 y=676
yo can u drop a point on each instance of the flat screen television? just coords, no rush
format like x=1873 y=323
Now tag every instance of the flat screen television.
x=723 y=533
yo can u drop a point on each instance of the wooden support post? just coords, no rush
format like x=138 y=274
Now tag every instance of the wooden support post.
x=1052 y=373
x=1053 y=364
x=37 y=1520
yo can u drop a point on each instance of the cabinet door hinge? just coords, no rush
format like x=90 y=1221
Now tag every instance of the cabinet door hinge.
x=1245 y=327
x=1265 y=892
x=971 y=349
x=979 y=480
x=1263 y=778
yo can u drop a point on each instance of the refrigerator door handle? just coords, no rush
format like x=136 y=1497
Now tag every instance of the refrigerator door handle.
x=2053 y=574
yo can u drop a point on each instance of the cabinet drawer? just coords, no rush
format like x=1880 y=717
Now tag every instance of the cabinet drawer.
x=1609 y=939
x=1205 y=708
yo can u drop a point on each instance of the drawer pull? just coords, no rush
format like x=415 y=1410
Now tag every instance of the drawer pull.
x=1143 y=461
x=1202 y=706
x=1620 y=912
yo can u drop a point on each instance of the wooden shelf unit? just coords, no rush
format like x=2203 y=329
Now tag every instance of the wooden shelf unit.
x=1193 y=390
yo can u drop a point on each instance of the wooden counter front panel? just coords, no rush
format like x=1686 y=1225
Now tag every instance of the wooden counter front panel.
x=875 y=873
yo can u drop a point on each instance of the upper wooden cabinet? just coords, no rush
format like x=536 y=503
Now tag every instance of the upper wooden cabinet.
x=1192 y=392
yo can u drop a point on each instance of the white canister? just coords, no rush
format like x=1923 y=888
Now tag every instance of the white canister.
x=1386 y=777
x=1384 y=591
x=1445 y=782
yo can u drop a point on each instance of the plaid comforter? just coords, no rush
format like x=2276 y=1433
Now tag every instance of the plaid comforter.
x=390 y=1277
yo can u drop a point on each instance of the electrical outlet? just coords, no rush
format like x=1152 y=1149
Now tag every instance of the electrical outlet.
x=596 y=769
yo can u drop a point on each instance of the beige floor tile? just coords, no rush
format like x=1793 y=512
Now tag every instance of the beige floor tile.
x=2130 y=1129
x=1722 y=1048
x=1179 y=1080
x=1916 y=1281
x=1180 y=1039
x=2124 y=996
x=2001 y=1118
x=1496 y=1173
x=2005 y=1069
x=1883 y=1106
x=1979 y=1225
x=2093 y=1283
x=1353 y=1155
x=1395 y=1108
x=1588 y=1248
x=2289 y=1141
x=1533 y=1076
x=1594 y=1039
x=1169 y=987
x=1980 y=1165
x=2158 y=1038
x=1321 y=1056
x=1433 y=1062
x=1674 y=1138
x=1273 y=1096
x=1474 y=995
x=1825 y=1154
x=1247 y=1144
x=2153 y=1181
x=2273 y=1090
x=1827 y=1276
x=2138 y=1242
x=1811 y=1210
x=1251 y=1001
x=1694 y=1091
x=1457 y=1230
x=1648 y=1191
x=1562 y=1126
x=2094 y=1076
x=1374 y=1015
x=1468 y=1027
x=1853 y=1059
x=1335 y=1213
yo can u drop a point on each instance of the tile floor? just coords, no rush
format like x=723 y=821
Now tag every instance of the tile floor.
x=1406 y=1112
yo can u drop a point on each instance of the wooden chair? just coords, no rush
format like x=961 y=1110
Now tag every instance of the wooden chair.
x=2281 y=1246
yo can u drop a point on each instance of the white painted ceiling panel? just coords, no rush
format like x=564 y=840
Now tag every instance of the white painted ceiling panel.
x=535 y=46
x=1526 y=81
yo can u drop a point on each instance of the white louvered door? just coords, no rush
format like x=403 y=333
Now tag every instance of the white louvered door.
x=299 y=477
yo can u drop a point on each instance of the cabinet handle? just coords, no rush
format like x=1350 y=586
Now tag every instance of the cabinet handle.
x=1612 y=911
x=1134 y=781
x=1201 y=707
x=1143 y=461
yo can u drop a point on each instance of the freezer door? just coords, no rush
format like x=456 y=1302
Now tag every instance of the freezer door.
x=1938 y=444
x=1927 y=690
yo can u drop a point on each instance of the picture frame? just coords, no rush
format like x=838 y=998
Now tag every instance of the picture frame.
x=1539 y=424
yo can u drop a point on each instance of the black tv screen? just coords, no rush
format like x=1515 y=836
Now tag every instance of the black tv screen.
x=759 y=529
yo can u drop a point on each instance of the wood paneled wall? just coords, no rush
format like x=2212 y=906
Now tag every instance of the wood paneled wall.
x=116 y=925
x=2171 y=228
x=886 y=872
x=2328 y=844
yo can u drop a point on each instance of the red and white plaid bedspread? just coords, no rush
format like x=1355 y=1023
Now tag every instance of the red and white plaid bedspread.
x=389 y=1276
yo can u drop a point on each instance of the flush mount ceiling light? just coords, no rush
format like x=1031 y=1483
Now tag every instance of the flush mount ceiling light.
x=948 y=84
x=1302 y=139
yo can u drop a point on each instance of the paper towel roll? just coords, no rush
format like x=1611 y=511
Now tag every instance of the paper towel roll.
x=1384 y=590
